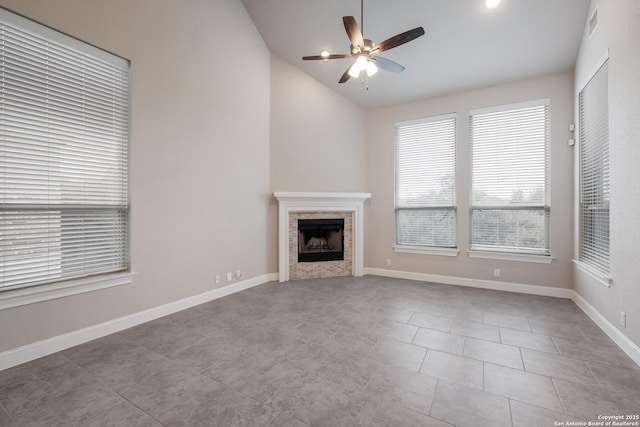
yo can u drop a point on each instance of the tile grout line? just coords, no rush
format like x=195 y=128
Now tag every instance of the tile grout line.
x=569 y=380
x=510 y=411
x=594 y=375
x=555 y=344
x=435 y=391
x=11 y=418
x=482 y=360
x=423 y=359
x=524 y=367
x=484 y=376
x=555 y=388
x=528 y=324
x=415 y=334
x=107 y=386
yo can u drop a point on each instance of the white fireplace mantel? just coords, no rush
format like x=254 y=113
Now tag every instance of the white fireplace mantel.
x=318 y=202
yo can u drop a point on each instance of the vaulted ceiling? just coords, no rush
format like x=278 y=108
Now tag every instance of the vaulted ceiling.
x=466 y=45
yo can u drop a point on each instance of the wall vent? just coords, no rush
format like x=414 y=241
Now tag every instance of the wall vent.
x=593 y=22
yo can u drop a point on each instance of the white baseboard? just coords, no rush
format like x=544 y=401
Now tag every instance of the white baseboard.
x=474 y=283
x=51 y=345
x=628 y=346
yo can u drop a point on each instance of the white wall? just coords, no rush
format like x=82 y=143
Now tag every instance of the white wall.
x=317 y=140
x=618 y=31
x=199 y=152
x=379 y=221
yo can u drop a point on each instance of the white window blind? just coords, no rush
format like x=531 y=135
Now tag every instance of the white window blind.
x=426 y=182
x=510 y=178
x=594 y=171
x=64 y=118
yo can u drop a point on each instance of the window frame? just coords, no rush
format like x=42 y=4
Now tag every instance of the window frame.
x=21 y=294
x=582 y=264
x=427 y=249
x=501 y=253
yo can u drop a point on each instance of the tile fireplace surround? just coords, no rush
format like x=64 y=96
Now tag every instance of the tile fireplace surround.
x=293 y=206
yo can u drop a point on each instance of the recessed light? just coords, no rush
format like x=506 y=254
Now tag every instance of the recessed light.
x=491 y=4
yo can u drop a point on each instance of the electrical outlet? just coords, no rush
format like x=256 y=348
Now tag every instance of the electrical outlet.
x=389 y=263
x=229 y=276
x=496 y=272
x=238 y=274
x=623 y=319
x=218 y=279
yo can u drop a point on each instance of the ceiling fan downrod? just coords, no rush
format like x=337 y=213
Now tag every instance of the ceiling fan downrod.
x=362 y=16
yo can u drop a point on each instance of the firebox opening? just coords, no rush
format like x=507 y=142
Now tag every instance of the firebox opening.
x=320 y=240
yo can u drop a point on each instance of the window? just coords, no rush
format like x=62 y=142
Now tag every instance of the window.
x=510 y=178
x=594 y=172
x=426 y=182
x=64 y=118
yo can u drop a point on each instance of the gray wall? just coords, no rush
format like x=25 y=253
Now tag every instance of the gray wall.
x=317 y=135
x=199 y=152
x=619 y=32
x=379 y=222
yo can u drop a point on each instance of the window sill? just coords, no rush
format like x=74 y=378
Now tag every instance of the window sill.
x=594 y=273
x=19 y=297
x=426 y=250
x=539 y=259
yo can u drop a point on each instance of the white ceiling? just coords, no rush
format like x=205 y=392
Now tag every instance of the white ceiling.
x=466 y=45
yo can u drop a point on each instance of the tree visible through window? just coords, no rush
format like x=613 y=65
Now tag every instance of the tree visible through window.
x=425 y=182
x=510 y=178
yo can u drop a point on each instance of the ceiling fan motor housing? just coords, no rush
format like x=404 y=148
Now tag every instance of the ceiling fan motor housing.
x=368 y=45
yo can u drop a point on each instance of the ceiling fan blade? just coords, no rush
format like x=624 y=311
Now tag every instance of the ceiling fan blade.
x=346 y=76
x=398 y=40
x=353 y=31
x=387 y=64
x=319 y=57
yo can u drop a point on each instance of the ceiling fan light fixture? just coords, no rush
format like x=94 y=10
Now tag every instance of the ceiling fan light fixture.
x=372 y=68
x=325 y=53
x=354 y=71
x=361 y=62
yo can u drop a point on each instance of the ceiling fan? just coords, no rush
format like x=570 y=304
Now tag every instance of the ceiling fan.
x=365 y=52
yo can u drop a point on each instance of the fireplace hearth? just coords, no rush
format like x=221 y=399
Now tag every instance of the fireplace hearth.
x=320 y=240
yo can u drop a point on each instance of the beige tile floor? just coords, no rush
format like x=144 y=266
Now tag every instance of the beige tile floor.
x=367 y=351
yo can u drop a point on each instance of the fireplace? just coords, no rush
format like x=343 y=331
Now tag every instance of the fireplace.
x=320 y=240
x=344 y=209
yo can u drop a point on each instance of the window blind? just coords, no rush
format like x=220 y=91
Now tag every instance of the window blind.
x=594 y=171
x=510 y=178
x=425 y=182
x=64 y=126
